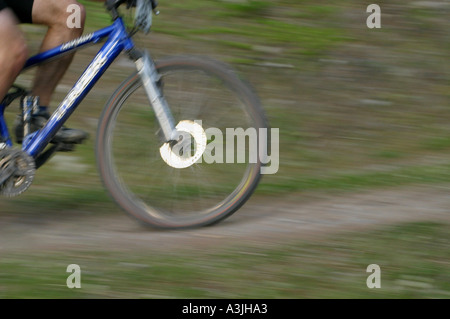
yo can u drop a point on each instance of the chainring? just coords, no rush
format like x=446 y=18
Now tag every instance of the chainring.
x=17 y=170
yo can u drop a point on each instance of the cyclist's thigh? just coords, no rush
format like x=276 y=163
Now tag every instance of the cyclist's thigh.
x=21 y=8
x=10 y=32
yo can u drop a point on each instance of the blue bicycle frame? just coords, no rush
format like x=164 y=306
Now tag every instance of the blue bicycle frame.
x=118 y=40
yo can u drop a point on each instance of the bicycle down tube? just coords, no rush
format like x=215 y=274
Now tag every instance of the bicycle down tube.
x=118 y=41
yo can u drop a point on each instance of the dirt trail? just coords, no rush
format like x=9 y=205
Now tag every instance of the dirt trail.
x=257 y=223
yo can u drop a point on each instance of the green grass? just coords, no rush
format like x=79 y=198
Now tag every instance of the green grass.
x=96 y=15
x=414 y=266
x=248 y=7
x=437 y=143
x=358 y=180
x=253 y=23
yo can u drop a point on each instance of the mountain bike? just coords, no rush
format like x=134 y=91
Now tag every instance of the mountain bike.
x=153 y=131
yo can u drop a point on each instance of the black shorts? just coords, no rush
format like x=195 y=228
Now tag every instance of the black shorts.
x=22 y=8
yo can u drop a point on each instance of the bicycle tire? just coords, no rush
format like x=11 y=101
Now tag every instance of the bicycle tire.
x=139 y=201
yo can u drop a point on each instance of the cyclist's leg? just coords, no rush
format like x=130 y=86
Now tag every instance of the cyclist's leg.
x=54 y=14
x=13 y=49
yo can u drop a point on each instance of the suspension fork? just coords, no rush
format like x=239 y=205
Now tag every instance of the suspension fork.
x=150 y=78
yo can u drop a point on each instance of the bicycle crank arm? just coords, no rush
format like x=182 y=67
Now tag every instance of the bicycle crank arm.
x=150 y=77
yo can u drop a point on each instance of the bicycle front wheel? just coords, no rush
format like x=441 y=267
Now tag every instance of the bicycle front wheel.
x=215 y=186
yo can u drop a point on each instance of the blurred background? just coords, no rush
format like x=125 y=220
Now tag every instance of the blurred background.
x=364 y=172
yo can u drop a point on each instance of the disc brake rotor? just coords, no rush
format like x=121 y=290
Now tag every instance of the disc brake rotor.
x=17 y=171
x=179 y=155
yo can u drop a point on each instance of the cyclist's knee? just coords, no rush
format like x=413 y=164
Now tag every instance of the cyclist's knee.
x=19 y=55
x=72 y=15
x=69 y=15
x=21 y=51
x=75 y=15
x=13 y=58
